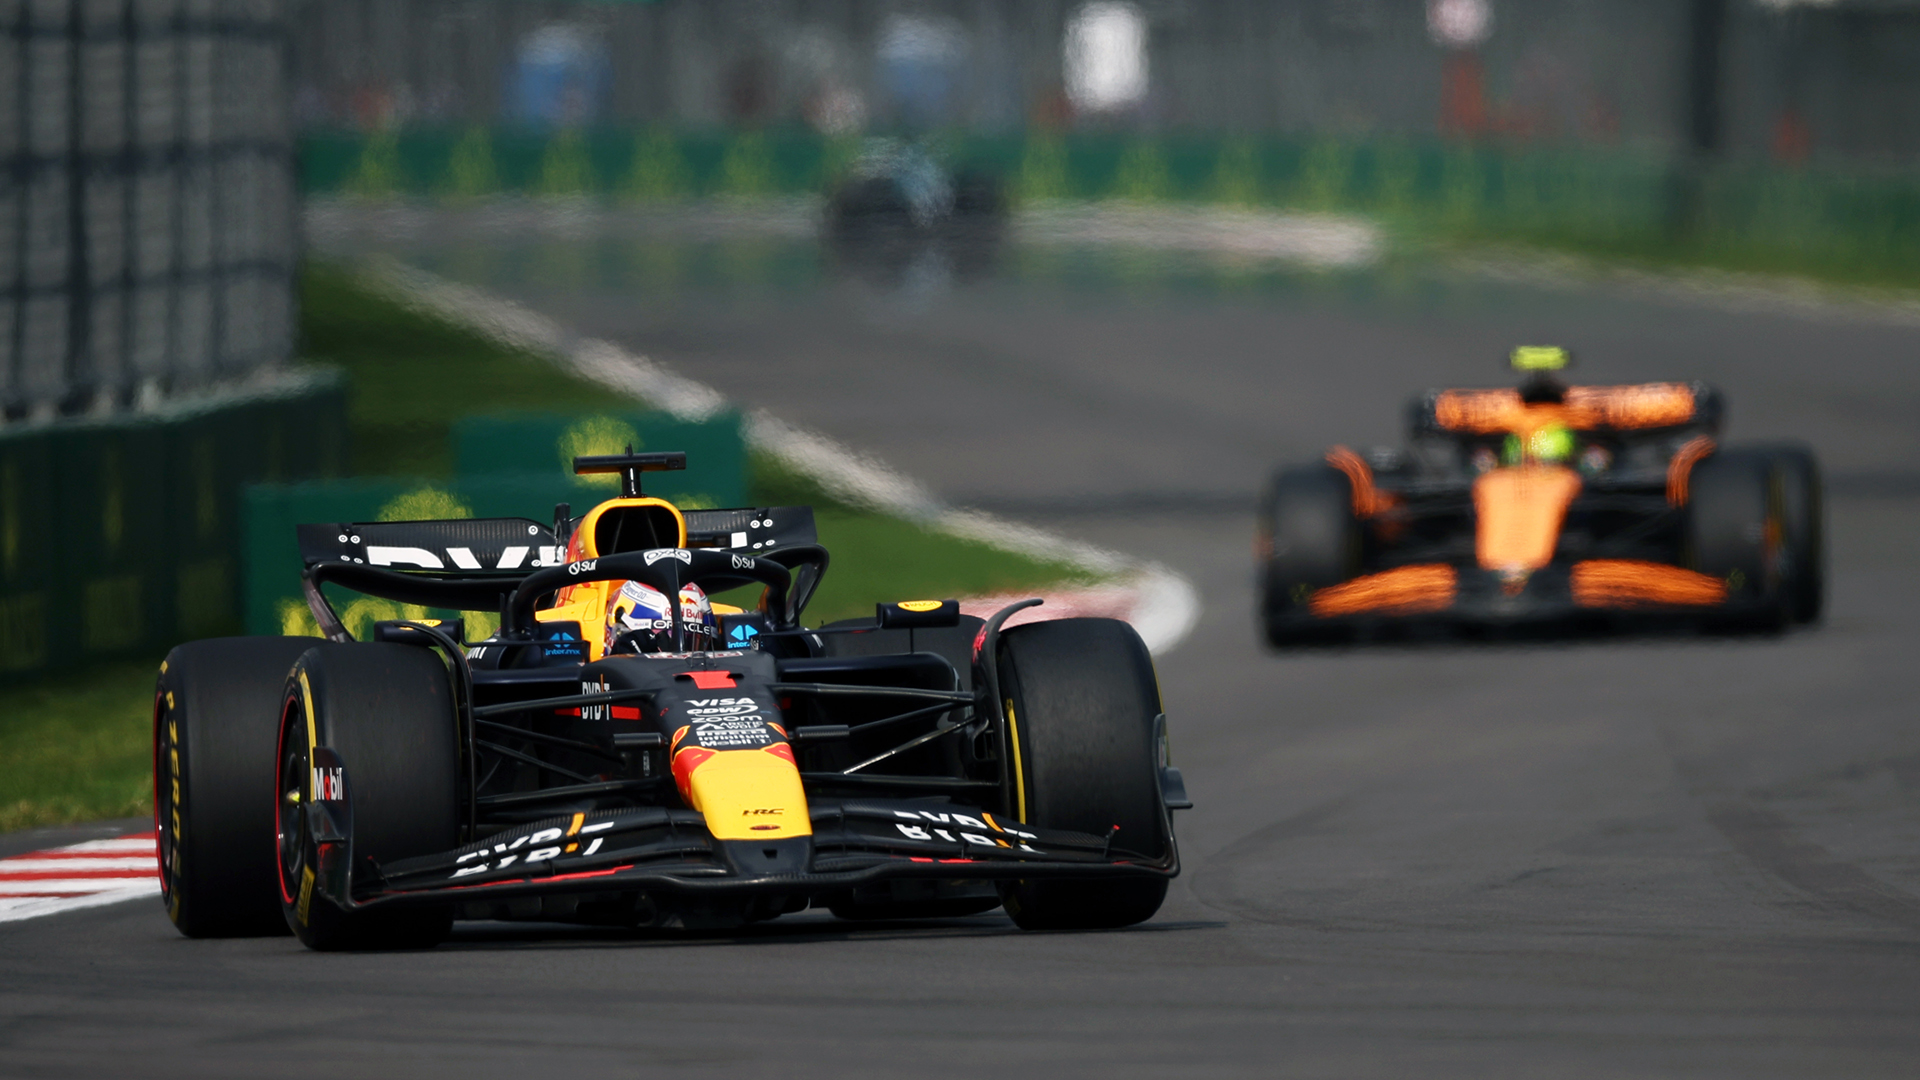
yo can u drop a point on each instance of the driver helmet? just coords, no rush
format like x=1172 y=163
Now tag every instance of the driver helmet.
x=639 y=621
x=1552 y=444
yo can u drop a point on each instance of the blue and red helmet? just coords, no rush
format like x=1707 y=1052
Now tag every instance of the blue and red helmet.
x=639 y=621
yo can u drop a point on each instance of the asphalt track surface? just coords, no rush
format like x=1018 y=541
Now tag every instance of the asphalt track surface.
x=1665 y=856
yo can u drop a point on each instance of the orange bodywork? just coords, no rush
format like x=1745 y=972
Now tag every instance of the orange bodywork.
x=1406 y=590
x=1520 y=511
x=1630 y=583
x=586 y=603
x=1488 y=412
x=1680 y=469
x=1367 y=499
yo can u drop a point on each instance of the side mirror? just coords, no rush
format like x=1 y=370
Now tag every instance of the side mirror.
x=917 y=614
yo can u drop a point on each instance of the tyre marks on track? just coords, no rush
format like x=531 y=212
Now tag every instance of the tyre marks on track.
x=80 y=875
x=1767 y=840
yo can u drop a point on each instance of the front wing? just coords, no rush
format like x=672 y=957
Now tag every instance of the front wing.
x=1444 y=593
x=658 y=850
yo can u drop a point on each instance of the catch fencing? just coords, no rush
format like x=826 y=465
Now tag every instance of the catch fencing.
x=147 y=218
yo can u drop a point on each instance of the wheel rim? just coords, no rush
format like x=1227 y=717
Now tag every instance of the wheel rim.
x=166 y=804
x=290 y=851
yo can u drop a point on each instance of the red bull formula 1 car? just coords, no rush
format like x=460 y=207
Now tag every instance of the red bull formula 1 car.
x=1545 y=503
x=713 y=767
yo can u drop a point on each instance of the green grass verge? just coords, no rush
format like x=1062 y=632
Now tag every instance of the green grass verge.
x=883 y=559
x=411 y=376
x=1653 y=253
x=75 y=747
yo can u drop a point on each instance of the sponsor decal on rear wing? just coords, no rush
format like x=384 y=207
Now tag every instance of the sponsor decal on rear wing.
x=466 y=546
x=751 y=528
x=518 y=545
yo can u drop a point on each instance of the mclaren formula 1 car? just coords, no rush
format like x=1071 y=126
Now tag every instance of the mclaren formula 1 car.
x=710 y=767
x=1545 y=503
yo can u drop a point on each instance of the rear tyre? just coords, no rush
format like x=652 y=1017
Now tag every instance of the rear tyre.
x=1804 y=544
x=1081 y=702
x=1736 y=532
x=387 y=711
x=214 y=719
x=1309 y=538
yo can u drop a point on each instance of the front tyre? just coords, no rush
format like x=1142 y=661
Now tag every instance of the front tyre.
x=1803 y=532
x=1736 y=531
x=1082 y=704
x=1308 y=538
x=387 y=711
x=214 y=711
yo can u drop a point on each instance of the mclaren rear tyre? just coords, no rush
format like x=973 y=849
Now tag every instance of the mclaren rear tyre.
x=387 y=712
x=1082 y=708
x=214 y=719
x=1736 y=531
x=1309 y=538
x=1803 y=539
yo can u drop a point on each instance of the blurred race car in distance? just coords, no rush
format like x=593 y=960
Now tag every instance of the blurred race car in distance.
x=1540 y=503
x=898 y=204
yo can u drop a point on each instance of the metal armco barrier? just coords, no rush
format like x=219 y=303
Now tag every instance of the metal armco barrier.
x=122 y=536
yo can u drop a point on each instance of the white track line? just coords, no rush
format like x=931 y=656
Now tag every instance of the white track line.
x=76 y=876
x=1163 y=607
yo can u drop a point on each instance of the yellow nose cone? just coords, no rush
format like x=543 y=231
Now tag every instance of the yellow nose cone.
x=745 y=794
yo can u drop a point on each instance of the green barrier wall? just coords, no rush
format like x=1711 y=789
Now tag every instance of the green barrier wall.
x=497 y=457
x=122 y=536
x=1859 y=221
x=545 y=444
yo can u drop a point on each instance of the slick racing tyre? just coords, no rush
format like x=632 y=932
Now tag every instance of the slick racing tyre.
x=1309 y=538
x=387 y=711
x=1081 y=702
x=214 y=712
x=1736 y=531
x=1803 y=538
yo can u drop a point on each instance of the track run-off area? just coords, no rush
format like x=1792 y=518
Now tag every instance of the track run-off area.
x=1664 y=855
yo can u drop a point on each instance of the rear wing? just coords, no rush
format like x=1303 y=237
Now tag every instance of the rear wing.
x=463 y=546
x=466 y=547
x=476 y=564
x=1642 y=407
x=753 y=529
